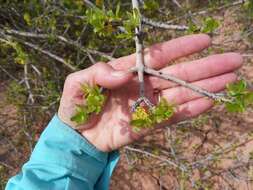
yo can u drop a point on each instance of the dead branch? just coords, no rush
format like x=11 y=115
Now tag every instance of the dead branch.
x=154 y=156
x=7 y=73
x=205 y=11
x=30 y=99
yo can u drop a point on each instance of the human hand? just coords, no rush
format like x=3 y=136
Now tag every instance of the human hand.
x=111 y=129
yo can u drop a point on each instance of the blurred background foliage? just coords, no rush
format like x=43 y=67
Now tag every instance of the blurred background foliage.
x=42 y=41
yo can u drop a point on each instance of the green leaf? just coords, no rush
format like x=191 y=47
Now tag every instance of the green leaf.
x=235 y=107
x=94 y=101
x=117 y=12
x=248 y=6
x=141 y=118
x=248 y=99
x=81 y=115
x=237 y=88
x=209 y=25
x=100 y=3
x=103 y=21
x=150 y=5
x=163 y=111
x=241 y=97
x=193 y=28
x=146 y=119
x=27 y=18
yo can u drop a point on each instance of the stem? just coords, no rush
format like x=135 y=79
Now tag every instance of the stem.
x=58 y=37
x=9 y=38
x=28 y=86
x=163 y=25
x=215 y=96
x=154 y=156
x=139 y=51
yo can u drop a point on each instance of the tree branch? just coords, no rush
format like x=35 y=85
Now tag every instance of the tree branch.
x=163 y=25
x=26 y=80
x=7 y=73
x=214 y=96
x=49 y=54
x=139 y=50
x=154 y=156
x=205 y=11
x=45 y=52
x=60 y=38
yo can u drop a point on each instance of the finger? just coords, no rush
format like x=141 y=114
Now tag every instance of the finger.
x=199 y=69
x=101 y=74
x=159 y=55
x=180 y=95
x=191 y=109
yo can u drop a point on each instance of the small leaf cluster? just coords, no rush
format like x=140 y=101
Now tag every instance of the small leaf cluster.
x=93 y=103
x=103 y=21
x=208 y=25
x=132 y=20
x=248 y=6
x=240 y=95
x=142 y=118
x=150 y=5
x=21 y=56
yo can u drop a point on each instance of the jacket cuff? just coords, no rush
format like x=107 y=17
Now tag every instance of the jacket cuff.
x=61 y=145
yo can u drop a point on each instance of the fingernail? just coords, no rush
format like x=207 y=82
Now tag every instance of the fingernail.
x=119 y=73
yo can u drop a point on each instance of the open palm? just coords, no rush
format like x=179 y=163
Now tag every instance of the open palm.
x=111 y=129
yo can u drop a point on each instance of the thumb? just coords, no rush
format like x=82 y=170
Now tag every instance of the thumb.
x=106 y=76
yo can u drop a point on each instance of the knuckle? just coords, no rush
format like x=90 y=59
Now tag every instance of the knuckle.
x=99 y=65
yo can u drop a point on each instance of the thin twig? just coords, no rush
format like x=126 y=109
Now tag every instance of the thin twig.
x=140 y=59
x=163 y=25
x=51 y=55
x=60 y=38
x=139 y=50
x=224 y=150
x=205 y=11
x=177 y=4
x=45 y=52
x=91 y=58
x=102 y=54
x=89 y=3
x=36 y=69
x=214 y=96
x=7 y=73
x=154 y=156
x=6 y=165
x=30 y=99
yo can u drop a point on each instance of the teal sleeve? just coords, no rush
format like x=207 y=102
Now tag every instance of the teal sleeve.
x=64 y=160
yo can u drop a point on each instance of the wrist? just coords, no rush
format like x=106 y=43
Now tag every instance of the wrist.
x=89 y=136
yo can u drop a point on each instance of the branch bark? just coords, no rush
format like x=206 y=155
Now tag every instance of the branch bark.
x=154 y=156
x=60 y=38
x=30 y=99
x=163 y=25
x=139 y=50
x=35 y=47
x=214 y=96
x=49 y=54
